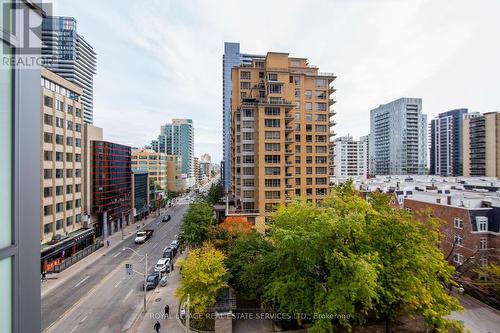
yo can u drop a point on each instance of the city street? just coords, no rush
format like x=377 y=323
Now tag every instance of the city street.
x=102 y=298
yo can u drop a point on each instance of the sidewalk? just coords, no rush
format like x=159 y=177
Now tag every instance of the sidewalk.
x=56 y=279
x=156 y=305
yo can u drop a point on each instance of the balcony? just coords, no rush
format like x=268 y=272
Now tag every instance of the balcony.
x=288 y=141
x=331 y=90
x=289 y=187
x=288 y=129
x=332 y=101
x=289 y=117
x=288 y=152
x=288 y=175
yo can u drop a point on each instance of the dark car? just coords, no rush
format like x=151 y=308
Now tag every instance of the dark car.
x=168 y=253
x=152 y=280
x=166 y=218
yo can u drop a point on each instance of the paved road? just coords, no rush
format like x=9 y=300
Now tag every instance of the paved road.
x=102 y=298
x=477 y=317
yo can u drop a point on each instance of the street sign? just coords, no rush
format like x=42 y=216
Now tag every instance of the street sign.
x=128 y=269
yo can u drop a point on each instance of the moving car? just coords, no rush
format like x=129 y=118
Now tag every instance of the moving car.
x=143 y=235
x=152 y=280
x=166 y=218
x=163 y=265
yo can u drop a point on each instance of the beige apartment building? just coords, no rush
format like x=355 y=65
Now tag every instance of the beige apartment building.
x=154 y=163
x=174 y=170
x=480 y=144
x=61 y=157
x=280 y=116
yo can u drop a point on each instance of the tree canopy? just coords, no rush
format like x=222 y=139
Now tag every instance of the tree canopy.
x=197 y=221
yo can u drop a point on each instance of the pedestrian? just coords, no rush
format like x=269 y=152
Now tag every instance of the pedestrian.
x=44 y=276
x=157 y=327
x=107 y=242
x=167 y=310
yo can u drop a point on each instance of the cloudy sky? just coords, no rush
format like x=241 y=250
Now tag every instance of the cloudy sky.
x=159 y=60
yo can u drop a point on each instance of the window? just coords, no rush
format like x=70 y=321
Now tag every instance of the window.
x=47 y=192
x=272 y=182
x=308 y=94
x=47 y=173
x=69 y=141
x=47 y=137
x=245 y=75
x=273 y=171
x=69 y=157
x=272 y=77
x=69 y=173
x=297 y=92
x=296 y=80
x=297 y=181
x=458 y=223
x=321 y=181
x=47 y=210
x=458 y=240
x=59 y=224
x=247 y=135
x=247 y=112
x=248 y=194
x=69 y=109
x=272 y=111
x=320 y=83
x=47 y=155
x=249 y=171
x=482 y=223
x=247 y=123
x=272 y=195
x=59 y=190
x=248 y=147
x=272 y=135
x=245 y=85
x=273 y=159
x=78 y=112
x=272 y=147
x=272 y=122
x=458 y=258
x=248 y=159
x=78 y=127
x=483 y=243
x=59 y=122
x=59 y=139
x=274 y=88
x=248 y=182
x=59 y=105
x=69 y=205
x=69 y=221
x=78 y=142
x=308 y=106
x=59 y=156
x=320 y=128
x=48 y=101
x=483 y=261
x=47 y=228
x=271 y=207
x=321 y=170
x=321 y=149
x=47 y=119
x=59 y=207
x=321 y=117
x=69 y=125
x=59 y=173
x=320 y=106
x=309 y=117
x=320 y=94
x=320 y=159
x=78 y=157
x=78 y=187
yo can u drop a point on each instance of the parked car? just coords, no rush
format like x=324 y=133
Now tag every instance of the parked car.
x=163 y=281
x=175 y=244
x=163 y=265
x=168 y=253
x=152 y=280
x=166 y=218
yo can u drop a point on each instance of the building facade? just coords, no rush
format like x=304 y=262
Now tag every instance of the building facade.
x=480 y=144
x=61 y=165
x=152 y=162
x=280 y=133
x=19 y=175
x=69 y=55
x=398 y=138
x=140 y=197
x=231 y=58
x=174 y=168
x=111 y=186
x=350 y=157
x=196 y=163
x=446 y=143
x=177 y=138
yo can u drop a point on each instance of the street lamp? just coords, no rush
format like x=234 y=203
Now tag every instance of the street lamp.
x=145 y=272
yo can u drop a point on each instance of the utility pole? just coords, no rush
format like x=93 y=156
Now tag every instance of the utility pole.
x=145 y=281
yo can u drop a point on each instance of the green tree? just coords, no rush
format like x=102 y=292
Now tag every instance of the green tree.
x=215 y=193
x=202 y=276
x=197 y=221
x=353 y=257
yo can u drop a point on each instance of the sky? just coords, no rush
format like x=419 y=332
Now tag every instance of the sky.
x=158 y=60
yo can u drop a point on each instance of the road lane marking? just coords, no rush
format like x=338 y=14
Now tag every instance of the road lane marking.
x=128 y=294
x=83 y=319
x=118 y=283
x=155 y=244
x=82 y=281
x=84 y=298
x=74 y=329
x=116 y=255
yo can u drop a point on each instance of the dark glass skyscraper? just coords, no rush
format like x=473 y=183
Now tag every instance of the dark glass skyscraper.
x=68 y=54
x=446 y=143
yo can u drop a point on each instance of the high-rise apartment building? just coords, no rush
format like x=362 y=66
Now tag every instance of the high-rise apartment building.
x=350 y=157
x=446 y=143
x=196 y=168
x=231 y=58
x=280 y=133
x=205 y=166
x=68 y=54
x=480 y=144
x=19 y=173
x=398 y=138
x=111 y=186
x=140 y=190
x=61 y=164
x=152 y=162
x=177 y=138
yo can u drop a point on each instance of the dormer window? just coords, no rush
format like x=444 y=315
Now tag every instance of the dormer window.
x=482 y=223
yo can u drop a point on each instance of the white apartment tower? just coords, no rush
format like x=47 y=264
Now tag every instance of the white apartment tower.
x=350 y=157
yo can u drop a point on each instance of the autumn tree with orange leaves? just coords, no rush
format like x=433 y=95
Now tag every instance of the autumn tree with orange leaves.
x=236 y=226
